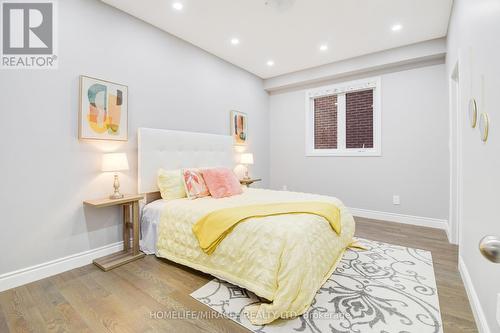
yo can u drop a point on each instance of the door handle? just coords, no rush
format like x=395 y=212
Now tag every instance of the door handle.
x=490 y=248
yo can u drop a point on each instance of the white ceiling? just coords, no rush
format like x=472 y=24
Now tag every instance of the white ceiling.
x=291 y=35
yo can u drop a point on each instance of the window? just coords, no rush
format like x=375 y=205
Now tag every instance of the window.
x=325 y=122
x=344 y=119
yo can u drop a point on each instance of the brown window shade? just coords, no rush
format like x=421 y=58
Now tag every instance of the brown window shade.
x=359 y=119
x=325 y=122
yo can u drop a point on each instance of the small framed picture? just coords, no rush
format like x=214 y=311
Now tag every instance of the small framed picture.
x=484 y=125
x=239 y=127
x=473 y=112
x=103 y=110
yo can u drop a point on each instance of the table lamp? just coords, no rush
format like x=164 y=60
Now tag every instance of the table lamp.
x=115 y=162
x=246 y=159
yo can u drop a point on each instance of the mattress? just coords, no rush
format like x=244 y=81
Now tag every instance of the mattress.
x=150 y=220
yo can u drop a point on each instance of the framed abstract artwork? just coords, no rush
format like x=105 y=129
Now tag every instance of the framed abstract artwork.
x=239 y=127
x=103 y=110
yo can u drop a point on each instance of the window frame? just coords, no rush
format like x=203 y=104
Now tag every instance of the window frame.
x=340 y=90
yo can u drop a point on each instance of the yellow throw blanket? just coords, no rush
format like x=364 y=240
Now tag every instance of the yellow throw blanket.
x=211 y=229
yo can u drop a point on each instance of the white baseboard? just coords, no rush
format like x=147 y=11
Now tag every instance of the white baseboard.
x=451 y=239
x=400 y=218
x=37 y=272
x=447 y=229
x=475 y=304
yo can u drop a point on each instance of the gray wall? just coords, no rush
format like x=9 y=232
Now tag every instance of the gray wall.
x=414 y=161
x=473 y=43
x=47 y=172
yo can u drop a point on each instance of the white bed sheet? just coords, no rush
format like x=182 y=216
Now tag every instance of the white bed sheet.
x=150 y=221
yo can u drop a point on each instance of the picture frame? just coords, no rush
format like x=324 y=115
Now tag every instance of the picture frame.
x=239 y=127
x=103 y=110
x=472 y=112
x=484 y=126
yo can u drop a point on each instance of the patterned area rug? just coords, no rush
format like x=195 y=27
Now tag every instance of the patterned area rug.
x=384 y=289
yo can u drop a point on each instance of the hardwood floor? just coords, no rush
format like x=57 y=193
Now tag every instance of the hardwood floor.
x=138 y=296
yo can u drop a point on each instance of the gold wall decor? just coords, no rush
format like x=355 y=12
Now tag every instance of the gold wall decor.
x=473 y=112
x=484 y=126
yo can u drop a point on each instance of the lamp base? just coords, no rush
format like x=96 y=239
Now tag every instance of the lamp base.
x=246 y=177
x=116 y=185
x=115 y=196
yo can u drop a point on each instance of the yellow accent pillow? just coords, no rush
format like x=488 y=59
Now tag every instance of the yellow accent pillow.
x=171 y=184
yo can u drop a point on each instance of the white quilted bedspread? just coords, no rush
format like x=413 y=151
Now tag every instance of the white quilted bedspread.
x=284 y=258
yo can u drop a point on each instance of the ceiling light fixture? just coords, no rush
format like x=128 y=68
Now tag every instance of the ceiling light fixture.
x=235 y=41
x=396 y=27
x=270 y=63
x=323 y=47
x=177 y=6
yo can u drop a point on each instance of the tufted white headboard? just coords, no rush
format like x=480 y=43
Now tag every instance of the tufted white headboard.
x=158 y=148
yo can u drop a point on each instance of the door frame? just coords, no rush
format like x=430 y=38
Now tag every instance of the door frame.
x=455 y=144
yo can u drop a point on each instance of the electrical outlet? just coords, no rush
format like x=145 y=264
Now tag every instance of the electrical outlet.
x=498 y=309
x=395 y=199
x=285 y=188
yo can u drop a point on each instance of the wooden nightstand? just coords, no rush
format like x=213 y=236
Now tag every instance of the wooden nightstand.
x=130 y=207
x=248 y=182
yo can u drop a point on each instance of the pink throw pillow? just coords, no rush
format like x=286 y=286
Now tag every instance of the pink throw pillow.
x=221 y=182
x=194 y=184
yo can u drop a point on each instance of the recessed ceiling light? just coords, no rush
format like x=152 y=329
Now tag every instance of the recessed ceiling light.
x=270 y=63
x=235 y=41
x=323 y=47
x=177 y=6
x=396 y=27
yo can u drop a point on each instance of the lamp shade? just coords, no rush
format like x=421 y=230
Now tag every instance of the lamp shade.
x=246 y=158
x=114 y=162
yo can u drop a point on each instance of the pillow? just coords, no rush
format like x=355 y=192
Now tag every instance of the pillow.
x=194 y=184
x=171 y=184
x=221 y=182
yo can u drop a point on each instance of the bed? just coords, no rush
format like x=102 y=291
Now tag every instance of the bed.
x=284 y=259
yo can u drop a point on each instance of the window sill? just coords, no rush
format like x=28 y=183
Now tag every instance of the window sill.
x=316 y=153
